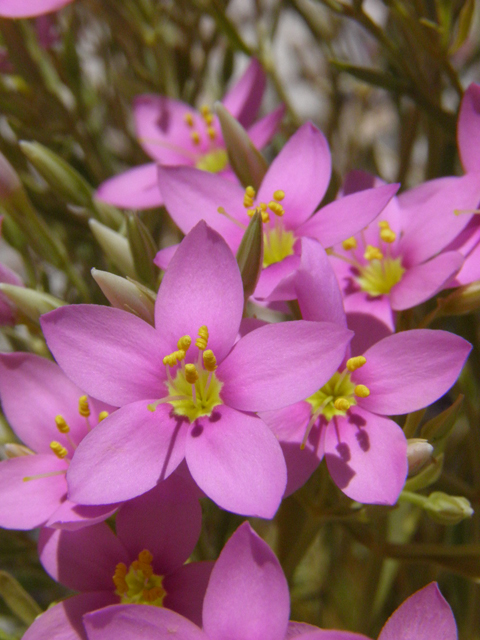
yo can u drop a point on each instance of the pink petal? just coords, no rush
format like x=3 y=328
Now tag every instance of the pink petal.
x=29 y=504
x=262 y=131
x=162 y=130
x=371 y=319
x=63 y=621
x=426 y=615
x=110 y=353
x=247 y=596
x=186 y=589
x=302 y=170
x=332 y=634
x=29 y=8
x=279 y=364
x=126 y=454
x=163 y=257
x=346 y=216
x=468 y=129
x=430 y=223
x=244 y=98
x=72 y=516
x=289 y=426
x=237 y=461
x=166 y=520
x=142 y=621
x=192 y=195
x=410 y=370
x=82 y=560
x=134 y=189
x=366 y=456
x=50 y=393
x=10 y=277
x=470 y=271
x=423 y=281
x=202 y=286
x=276 y=282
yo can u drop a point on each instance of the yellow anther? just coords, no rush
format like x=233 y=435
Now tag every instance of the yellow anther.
x=355 y=363
x=349 y=243
x=277 y=209
x=361 y=391
x=250 y=192
x=145 y=556
x=341 y=404
x=58 y=449
x=120 y=570
x=62 y=425
x=202 y=340
x=150 y=595
x=209 y=360
x=387 y=235
x=83 y=408
x=205 y=110
x=372 y=253
x=383 y=224
x=119 y=578
x=251 y=212
x=278 y=195
x=184 y=343
x=195 y=136
x=211 y=133
x=171 y=358
x=265 y=216
x=191 y=373
x=102 y=415
x=208 y=118
x=249 y=197
x=188 y=119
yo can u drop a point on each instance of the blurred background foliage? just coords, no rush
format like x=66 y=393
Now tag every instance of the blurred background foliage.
x=383 y=80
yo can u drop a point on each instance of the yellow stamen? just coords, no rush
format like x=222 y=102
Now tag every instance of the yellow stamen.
x=355 y=363
x=184 y=343
x=265 y=216
x=209 y=360
x=372 y=253
x=188 y=118
x=62 y=425
x=195 y=136
x=83 y=408
x=383 y=224
x=278 y=195
x=387 y=235
x=58 y=449
x=361 y=391
x=211 y=133
x=222 y=211
x=277 y=209
x=349 y=243
x=191 y=373
x=208 y=118
x=341 y=404
x=248 y=197
x=205 y=110
x=202 y=340
x=171 y=358
x=102 y=415
x=145 y=556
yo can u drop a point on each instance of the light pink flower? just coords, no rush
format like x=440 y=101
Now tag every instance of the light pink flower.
x=142 y=564
x=36 y=397
x=29 y=8
x=165 y=416
x=173 y=133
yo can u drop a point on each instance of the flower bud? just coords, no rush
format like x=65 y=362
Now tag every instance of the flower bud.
x=461 y=301
x=127 y=295
x=114 y=246
x=250 y=254
x=30 y=302
x=446 y=509
x=143 y=249
x=9 y=181
x=14 y=450
x=419 y=454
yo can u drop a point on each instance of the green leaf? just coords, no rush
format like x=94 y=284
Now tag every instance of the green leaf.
x=17 y=599
x=437 y=429
x=463 y=25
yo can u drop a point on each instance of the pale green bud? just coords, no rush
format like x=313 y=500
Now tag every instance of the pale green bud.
x=30 y=302
x=127 y=295
x=143 y=249
x=419 y=454
x=9 y=180
x=14 y=450
x=115 y=247
x=250 y=254
x=447 y=509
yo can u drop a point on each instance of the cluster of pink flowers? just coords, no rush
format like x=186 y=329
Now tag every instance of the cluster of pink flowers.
x=138 y=422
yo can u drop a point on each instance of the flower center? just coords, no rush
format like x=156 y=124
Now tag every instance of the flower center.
x=336 y=396
x=213 y=161
x=216 y=159
x=277 y=244
x=195 y=390
x=380 y=272
x=138 y=584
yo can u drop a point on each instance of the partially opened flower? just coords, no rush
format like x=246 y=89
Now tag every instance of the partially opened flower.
x=345 y=420
x=29 y=8
x=185 y=388
x=173 y=133
x=52 y=423
x=142 y=564
x=288 y=198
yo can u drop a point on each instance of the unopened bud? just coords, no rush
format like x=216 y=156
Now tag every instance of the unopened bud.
x=446 y=509
x=127 y=294
x=419 y=454
x=115 y=247
x=250 y=254
x=30 y=302
x=14 y=450
x=461 y=301
x=9 y=181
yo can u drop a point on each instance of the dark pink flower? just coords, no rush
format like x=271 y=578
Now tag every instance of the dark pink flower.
x=29 y=8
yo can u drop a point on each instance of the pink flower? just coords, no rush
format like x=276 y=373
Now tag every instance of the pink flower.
x=174 y=134
x=199 y=403
x=7 y=310
x=29 y=8
x=345 y=419
x=141 y=564
x=247 y=597
x=43 y=408
x=289 y=195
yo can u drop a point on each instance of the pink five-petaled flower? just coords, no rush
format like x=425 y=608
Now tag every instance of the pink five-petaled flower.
x=345 y=419
x=174 y=134
x=289 y=194
x=29 y=8
x=142 y=564
x=187 y=396
x=51 y=416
